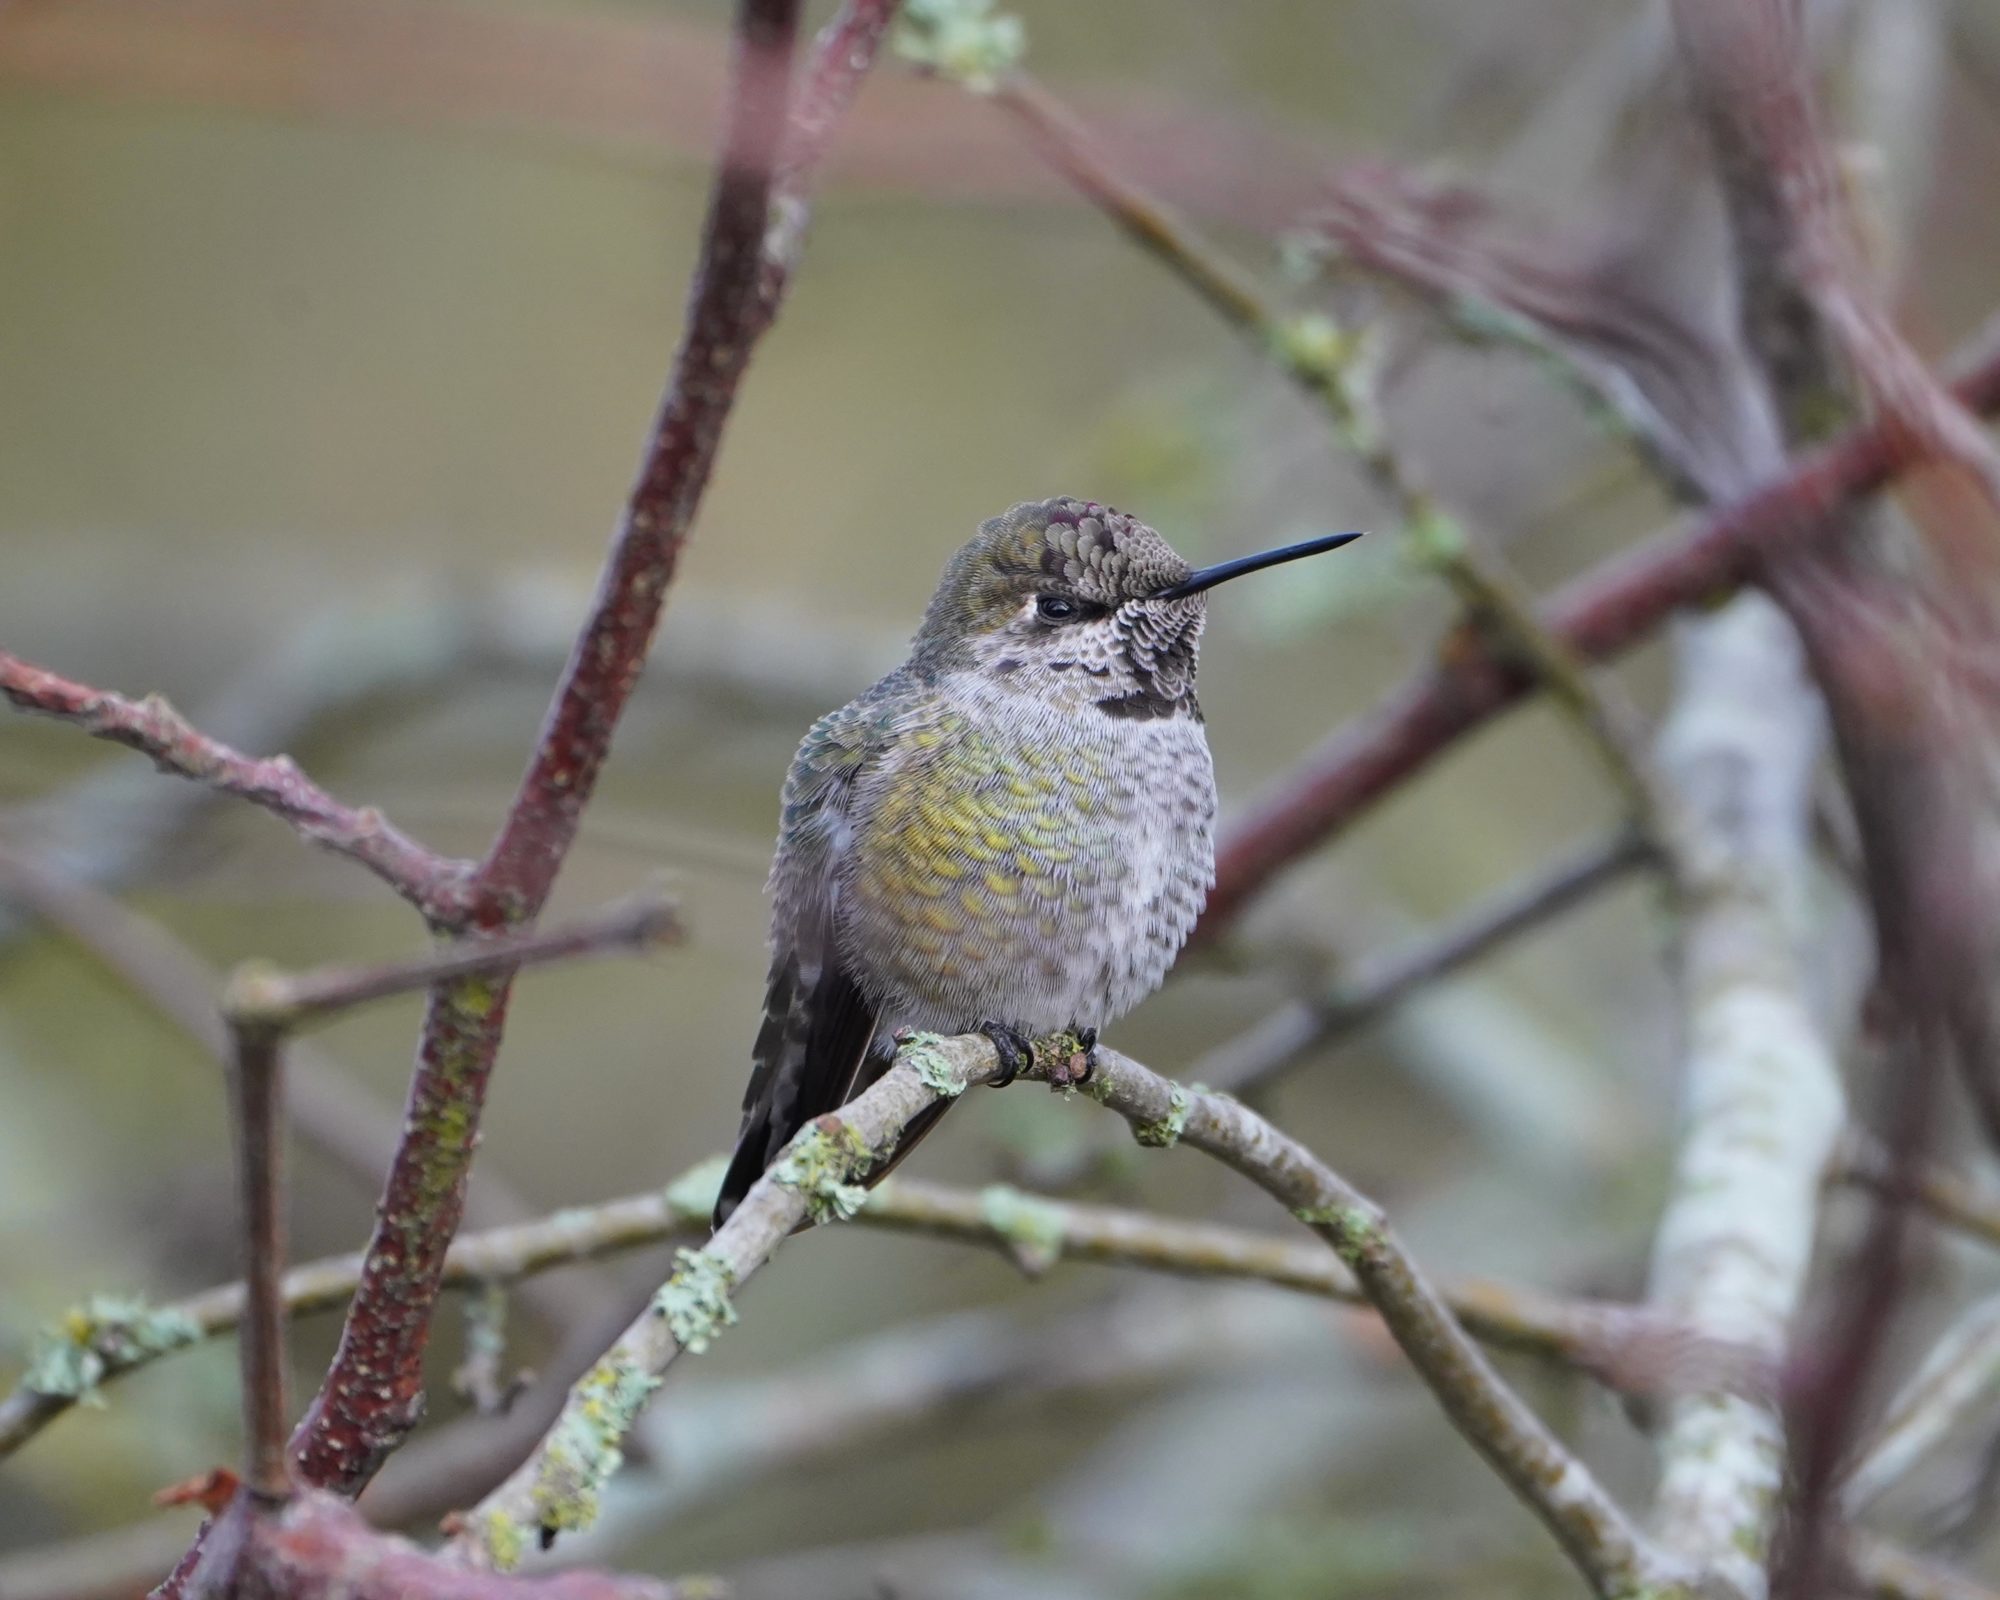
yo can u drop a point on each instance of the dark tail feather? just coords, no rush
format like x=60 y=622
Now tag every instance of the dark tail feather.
x=811 y=1056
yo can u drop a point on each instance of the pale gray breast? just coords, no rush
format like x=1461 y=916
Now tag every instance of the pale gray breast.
x=1033 y=865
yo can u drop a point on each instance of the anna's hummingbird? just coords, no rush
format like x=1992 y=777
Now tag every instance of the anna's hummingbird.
x=1011 y=832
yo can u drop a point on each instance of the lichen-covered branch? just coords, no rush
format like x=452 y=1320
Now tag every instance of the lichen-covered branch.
x=1762 y=1102
x=818 y=1177
x=105 y=1339
x=1592 y=1529
x=432 y=883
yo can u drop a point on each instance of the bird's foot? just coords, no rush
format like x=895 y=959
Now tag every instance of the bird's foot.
x=1013 y=1048
x=1070 y=1057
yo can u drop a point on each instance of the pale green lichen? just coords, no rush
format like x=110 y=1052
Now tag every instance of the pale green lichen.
x=1313 y=345
x=503 y=1539
x=586 y=1446
x=1351 y=1224
x=1343 y=366
x=1034 y=1227
x=693 y=1193
x=104 y=1335
x=964 y=40
x=1166 y=1133
x=821 y=1166
x=695 y=1300
x=1433 y=538
x=925 y=1052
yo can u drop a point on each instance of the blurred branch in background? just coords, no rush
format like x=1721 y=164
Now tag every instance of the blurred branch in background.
x=429 y=882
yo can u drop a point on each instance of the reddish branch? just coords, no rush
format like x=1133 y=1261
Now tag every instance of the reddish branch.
x=372 y=1393
x=319 y=1548
x=258 y=1087
x=432 y=883
x=1598 y=616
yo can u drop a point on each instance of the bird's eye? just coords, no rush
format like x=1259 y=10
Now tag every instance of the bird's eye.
x=1056 y=608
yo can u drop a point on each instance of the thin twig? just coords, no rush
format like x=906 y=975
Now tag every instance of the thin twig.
x=1246 y=1064
x=1960 y=1372
x=1889 y=1573
x=432 y=883
x=258 y=1087
x=269 y=1001
x=1945 y=1196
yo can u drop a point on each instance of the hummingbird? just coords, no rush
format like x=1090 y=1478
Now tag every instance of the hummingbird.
x=1012 y=833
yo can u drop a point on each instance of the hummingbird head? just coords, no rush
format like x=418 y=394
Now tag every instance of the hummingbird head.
x=1072 y=602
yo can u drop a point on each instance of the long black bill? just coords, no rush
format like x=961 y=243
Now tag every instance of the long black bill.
x=1223 y=571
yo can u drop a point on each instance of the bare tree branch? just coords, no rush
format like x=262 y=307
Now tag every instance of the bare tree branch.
x=258 y=1090
x=1958 y=1375
x=1247 y=1063
x=432 y=883
x=817 y=1178
x=264 y=1000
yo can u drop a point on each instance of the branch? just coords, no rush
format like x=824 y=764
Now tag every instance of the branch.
x=1249 y=1062
x=817 y=1178
x=1593 y=1531
x=1763 y=1101
x=1607 y=611
x=319 y=1548
x=1960 y=1373
x=1033 y=1230
x=263 y=1000
x=432 y=883
x=327 y=1110
x=258 y=1089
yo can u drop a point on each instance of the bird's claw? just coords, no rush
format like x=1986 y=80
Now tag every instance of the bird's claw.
x=1013 y=1049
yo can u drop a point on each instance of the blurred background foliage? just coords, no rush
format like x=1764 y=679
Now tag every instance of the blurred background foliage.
x=331 y=331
